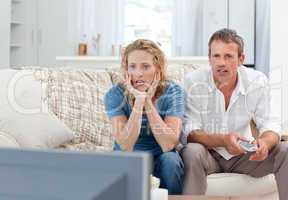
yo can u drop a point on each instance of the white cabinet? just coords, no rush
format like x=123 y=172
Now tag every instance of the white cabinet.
x=234 y=14
x=52 y=31
x=35 y=31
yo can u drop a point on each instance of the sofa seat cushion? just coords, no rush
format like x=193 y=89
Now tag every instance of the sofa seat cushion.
x=232 y=184
x=87 y=146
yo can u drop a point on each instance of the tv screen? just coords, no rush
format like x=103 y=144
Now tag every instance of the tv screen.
x=63 y=175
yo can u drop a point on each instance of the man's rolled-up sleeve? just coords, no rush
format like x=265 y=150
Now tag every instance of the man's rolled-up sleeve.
x=265 y=118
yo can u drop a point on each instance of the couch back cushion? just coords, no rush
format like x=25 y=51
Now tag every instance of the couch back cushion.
x=76 y=98
x=24 y=116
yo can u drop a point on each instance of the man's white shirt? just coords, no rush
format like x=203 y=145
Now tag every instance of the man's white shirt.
x=250 y=100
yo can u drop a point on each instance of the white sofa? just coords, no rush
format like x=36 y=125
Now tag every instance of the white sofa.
x=231 y=184
x=76 y=98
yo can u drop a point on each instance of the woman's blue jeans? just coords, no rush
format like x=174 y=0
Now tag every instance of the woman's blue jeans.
x=169 y=168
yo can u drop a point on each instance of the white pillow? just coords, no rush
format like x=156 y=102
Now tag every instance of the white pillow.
x=37 y=130
x=20 y=91
x=7 y=141
x=23 y=111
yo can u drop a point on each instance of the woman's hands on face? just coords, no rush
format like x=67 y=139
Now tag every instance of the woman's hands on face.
x=143 y=96
x=153 y=87
x=136 y=93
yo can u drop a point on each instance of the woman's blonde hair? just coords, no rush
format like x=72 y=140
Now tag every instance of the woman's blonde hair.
x=159 y=60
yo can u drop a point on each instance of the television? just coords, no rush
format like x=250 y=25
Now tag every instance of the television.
x=62 y=175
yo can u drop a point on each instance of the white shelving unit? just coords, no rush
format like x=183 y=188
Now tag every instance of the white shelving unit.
x=5 y=17
x=17 y=32
x=34 y=32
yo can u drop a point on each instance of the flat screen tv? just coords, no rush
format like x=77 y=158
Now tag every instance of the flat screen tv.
x=66 y=175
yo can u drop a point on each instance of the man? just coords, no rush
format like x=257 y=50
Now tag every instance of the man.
x=221 y=103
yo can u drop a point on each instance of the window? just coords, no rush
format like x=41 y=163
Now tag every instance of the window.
x=151 y=20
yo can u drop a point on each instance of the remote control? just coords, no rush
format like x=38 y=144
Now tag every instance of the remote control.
x=247 y=146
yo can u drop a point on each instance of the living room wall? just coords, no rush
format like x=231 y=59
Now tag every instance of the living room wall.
x=278 y=68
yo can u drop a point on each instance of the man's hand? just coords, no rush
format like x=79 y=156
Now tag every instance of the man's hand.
x=262 y=151
x=231 y=143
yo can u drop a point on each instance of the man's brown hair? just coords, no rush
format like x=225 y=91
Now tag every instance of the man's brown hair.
x=227 y=35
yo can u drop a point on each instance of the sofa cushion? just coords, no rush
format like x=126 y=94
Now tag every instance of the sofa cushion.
x=84 y=146
x=232 y=184
x=23 y=113
x=115 y=74
x=20 y=91
x=41 y=130
x=76 y=97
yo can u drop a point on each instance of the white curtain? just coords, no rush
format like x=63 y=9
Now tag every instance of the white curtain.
x=189 y=36
x=101 y=24
x=262 y=61
x=187 y=31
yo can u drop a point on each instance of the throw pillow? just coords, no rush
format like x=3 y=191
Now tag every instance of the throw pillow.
x=7 y=141
x=20 y=92
x=76 y=98
x=36 y=131
x=23 y=111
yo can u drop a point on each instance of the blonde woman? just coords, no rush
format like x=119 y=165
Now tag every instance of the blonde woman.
x=146 y=111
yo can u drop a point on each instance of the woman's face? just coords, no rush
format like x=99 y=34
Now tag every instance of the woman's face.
x=141 y=69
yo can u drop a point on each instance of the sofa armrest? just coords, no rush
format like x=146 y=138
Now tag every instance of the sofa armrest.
x=284 y=136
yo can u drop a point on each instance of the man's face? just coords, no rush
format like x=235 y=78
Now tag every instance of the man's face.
x=224 y=60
